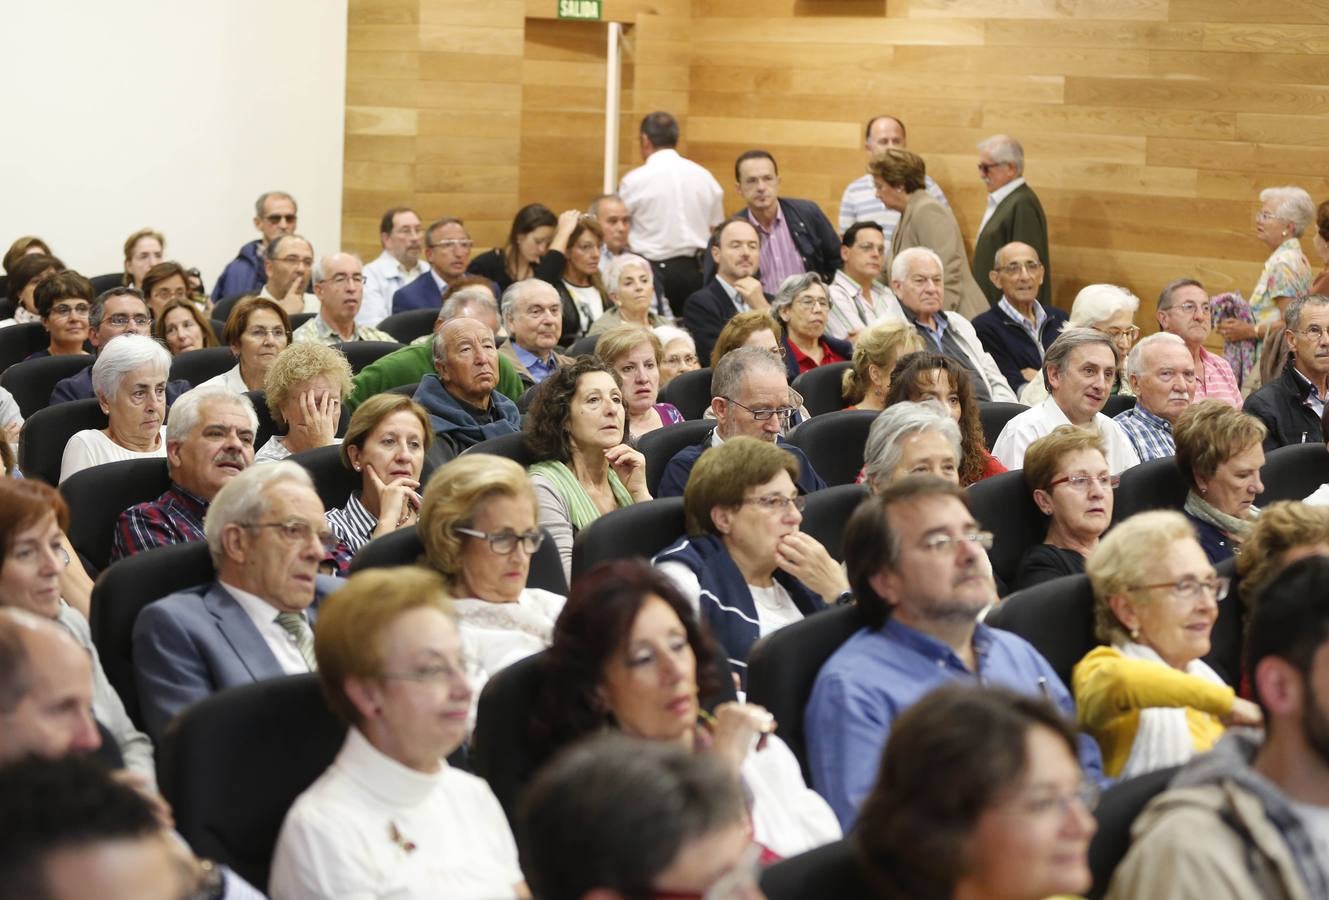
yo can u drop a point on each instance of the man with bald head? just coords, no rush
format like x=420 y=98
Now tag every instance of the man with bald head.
x=339 y=284
x=464 y=404
x=45 y=689
x=1019 y=329
x=288 y=261
x=860 y=202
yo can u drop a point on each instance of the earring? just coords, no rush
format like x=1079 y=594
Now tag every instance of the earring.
x=1135 y=634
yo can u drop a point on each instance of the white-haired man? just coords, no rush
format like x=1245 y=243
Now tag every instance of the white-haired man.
x=1161 y=373
x=1013 y=213
x=339 y=284
x=533 y=315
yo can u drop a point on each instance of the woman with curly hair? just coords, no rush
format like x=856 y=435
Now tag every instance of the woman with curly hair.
x=931 y=376
x=577 y=431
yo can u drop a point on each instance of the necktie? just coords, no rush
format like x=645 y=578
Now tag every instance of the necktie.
x=296 y=626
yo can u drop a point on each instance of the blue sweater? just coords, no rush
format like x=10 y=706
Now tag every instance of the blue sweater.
x=243 y=275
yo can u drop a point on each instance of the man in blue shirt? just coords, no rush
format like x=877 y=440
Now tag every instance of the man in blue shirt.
x=919 y=573
x=533 y=315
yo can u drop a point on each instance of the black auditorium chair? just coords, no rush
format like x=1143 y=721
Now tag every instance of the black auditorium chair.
x=828 y=512
x=1293 y=472
x=640 y=530
x=1118 y=404
x=820 y=388
x=1004 y=505
x=333 y=481
x=583 y=346
x=403 y=548
x=41 y=444
x=994 y=415
x=197 y=366
x=219 y=328
x=301 y=318
x=513 y=446
x=121 y=593
x=31 y=382
x=102 y=283
x=409 y=325
x=1156 y=484
x=660 y=445
x=834 y=441
x=17 y=342
x=1116 y=813
x=1057 y=617
x=828 y=871
x=274 y=738
x=361 y=353
x=406 y=390
x=222 y=310
x=1225 y=640
x=783 y=667
x=98 y=495
x=266 y=427
x=690 y=392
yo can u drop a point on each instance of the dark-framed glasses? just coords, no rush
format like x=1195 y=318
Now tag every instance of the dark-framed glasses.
x=505 y=541
x=777 y=503
x=761 y=415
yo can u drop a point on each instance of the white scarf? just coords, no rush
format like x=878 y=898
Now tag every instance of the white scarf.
x=1164 y=737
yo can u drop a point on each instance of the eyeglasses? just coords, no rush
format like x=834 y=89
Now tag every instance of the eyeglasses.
x=121 y=320
x=278 y=218
x=1081 y=482
x=297 y=530
x=1189 y=308
x=1191 y=588
x=505 y=541
x=64 y=310
x=294 y=260
x=441 y=674
x=777 y=503
x=260 y=334
x=761 y=415
x=688 y=359
x=812 y=303
x=1086 y=794
x=1130 y=332
x=1265 y=216
x=1033 y=267
x=938 y=543
x=1314 y=333
x=454 y=244
x=988 y=167
x=341 y=278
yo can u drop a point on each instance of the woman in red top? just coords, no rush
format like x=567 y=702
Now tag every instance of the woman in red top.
x=931 y=376
x=802 y=306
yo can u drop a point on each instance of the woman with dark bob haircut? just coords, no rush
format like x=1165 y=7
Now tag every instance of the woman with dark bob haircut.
x=931 y=376
x=629 y=653
x=576 y=431
x=979 y=795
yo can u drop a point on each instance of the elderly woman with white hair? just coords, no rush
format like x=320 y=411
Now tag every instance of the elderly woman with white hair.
x=1102 y=307
x=678 y=353
x=129 y=380
x=911 y=439
x=632 y=291
x=802 y=306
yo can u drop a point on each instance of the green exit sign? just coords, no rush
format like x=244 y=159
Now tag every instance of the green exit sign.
x=579 y=9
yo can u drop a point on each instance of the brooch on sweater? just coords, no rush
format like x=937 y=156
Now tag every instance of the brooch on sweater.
x=395 y=835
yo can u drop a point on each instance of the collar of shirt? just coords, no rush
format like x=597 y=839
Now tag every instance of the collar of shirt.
x=383 y=777
x=732 y=291
x=1158 y=422
x=1312 y=398
x=391 y=267
x=1001 y=193
x=1040 y=316
x=776 y=224
x=533 y=362
x=264 y=616
x=936 y=651
x=935 y=334
x=324 y=330
x=187 y=501
x=661 y=157
x=355 y=515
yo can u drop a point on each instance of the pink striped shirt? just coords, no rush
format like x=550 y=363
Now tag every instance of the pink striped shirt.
x=778 y=257
x=1215 y=380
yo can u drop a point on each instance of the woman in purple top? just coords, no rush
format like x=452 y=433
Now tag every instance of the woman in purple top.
x=634 y=353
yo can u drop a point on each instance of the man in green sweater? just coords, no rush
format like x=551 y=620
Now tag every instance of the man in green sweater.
x=410 y=364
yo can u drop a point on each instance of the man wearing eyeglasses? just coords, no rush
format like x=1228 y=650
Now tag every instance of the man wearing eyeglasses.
x=1018 y=329
x=1184 y=310
x=920 y=576
x=274 y=215
x=750 y=397
x=448 y=250
x=339 y=283
x=120 y=310
x=397 y=266
x=1162 y=377
x=267 y=536
x=1013 y=213
x=1292 y=405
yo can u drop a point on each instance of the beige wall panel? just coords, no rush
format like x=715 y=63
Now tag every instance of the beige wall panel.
x=381 y=37
x=380 y=120
x=1283 y=129
x=495 y=39
x=850 y=30
x=1021 y=117
x=1273 y=38
x=454 y=14
x=444 y=179
x=458 y=147
x=380 y=148
x=382 y=64
x=467 y=71
x=448 y=96
x=380 y=176
x=920 y=61
x=1295 y=68
x=1152 y=10
x=379 y=92
x=1061 y=34
x=1302 y=12
x=1188 y=93
x=383 y=12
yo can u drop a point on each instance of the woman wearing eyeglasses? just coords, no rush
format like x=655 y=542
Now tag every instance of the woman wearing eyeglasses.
x=1220 y=451
x=679 y=353
x=1102 y=307
x=64 y=301
x=802 y=306
x=632 y=291
x=257 y=330
x=390 y=817
x=1068 y=474
x=744 y=564
x=477 y=524
x=1147 y=697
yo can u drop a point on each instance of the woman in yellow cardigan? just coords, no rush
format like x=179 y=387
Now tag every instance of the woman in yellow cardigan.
x=1147 y=697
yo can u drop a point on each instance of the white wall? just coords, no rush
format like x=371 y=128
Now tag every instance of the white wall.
x=173 y=114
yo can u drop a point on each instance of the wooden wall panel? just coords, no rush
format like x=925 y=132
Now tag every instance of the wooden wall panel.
x=1149 y=126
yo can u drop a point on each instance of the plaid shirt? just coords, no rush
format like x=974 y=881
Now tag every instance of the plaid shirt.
x=176 y=517
x=1149 y=435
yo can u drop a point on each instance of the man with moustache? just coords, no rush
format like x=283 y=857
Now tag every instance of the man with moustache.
x=919 y=574
x=1018 y=329
x=397 y=266
x=1292 y=405
x=209 y=440
x=462 y=398
x=339 y=283
x=1161 y=373
x=735 y=249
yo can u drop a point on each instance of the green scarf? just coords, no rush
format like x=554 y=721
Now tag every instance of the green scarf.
x=581 y=509
x=1206 y=512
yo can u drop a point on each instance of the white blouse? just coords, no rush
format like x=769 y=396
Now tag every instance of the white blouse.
x=91 y=447
x=369 y=827
x=788 y=817
x=496 y=635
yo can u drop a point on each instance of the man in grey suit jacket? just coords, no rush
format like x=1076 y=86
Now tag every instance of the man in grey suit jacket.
x=1013 y=213
x=267 y=535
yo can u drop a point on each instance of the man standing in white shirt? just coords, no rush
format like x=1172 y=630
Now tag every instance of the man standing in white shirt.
x=858 y=299
x=1013 y=214
x=1079 y=369
x=397 y=266
x=674 y=204
x=860 y=202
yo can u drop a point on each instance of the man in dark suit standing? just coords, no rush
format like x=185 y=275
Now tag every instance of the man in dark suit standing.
x=267 y=536
x=1013 y=214
x=735 y=249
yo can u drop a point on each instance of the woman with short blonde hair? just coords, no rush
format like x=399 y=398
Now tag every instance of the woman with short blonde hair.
x=304 y=391
x=877 y=350
x=634 y=353
x=390 y=663
x=1219 y=450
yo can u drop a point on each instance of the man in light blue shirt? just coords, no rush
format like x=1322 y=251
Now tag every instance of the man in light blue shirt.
x=920 y=575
